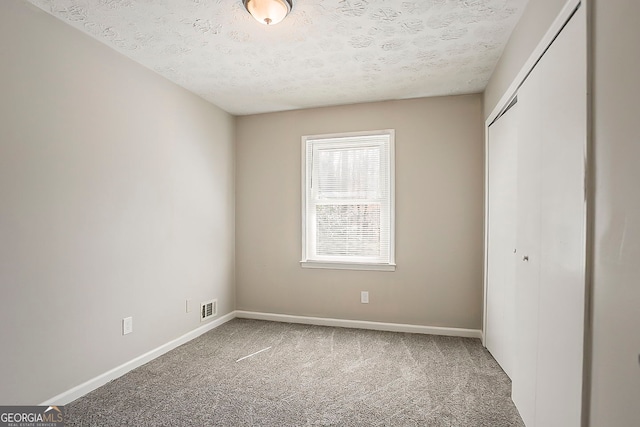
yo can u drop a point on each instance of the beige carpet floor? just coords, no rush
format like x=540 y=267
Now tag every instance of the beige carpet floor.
x=299 y=375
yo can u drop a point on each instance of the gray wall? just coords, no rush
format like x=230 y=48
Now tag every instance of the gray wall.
x=439 y=208
x=116 y=199
x=616 y=281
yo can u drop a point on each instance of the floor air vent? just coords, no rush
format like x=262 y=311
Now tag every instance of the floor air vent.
x=208 y=309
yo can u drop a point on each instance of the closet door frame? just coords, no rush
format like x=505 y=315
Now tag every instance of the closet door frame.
x=567 y=12
x=502 y=105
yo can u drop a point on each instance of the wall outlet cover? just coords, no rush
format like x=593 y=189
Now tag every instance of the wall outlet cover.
x=364 y=297
x=127 y=325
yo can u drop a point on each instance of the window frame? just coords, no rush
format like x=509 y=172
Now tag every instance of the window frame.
x=306 y=261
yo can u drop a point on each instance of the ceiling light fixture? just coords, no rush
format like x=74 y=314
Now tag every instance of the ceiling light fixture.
x=268 y=12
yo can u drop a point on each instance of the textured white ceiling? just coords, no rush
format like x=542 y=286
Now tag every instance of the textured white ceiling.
x=326 y=52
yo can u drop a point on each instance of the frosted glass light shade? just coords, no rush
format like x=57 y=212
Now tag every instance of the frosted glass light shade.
x=268 y=12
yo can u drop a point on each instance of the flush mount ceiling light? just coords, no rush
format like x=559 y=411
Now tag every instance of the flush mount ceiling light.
x=268 y=12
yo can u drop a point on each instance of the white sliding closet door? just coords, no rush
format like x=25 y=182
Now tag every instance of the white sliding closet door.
x=502 y=166
x=563 y=226
x=528 y=260
x=547 y=384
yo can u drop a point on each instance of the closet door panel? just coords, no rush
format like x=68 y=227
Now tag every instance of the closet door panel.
x=501 y=230
x=528 y=260
x=561 y=82
x=552 y=136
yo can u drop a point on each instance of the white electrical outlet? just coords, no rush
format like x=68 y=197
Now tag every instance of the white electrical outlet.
x=188 y=306
x=127 y=325
x=364 y=297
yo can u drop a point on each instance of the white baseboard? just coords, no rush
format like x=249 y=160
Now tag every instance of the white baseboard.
x=361 y=324
x=84 y=388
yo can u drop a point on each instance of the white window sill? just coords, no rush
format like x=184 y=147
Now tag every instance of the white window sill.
x=347 y=265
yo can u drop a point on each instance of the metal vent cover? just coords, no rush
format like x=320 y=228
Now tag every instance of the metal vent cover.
x=208 y=309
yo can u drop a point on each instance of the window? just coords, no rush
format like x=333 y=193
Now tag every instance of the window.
x=348 y=201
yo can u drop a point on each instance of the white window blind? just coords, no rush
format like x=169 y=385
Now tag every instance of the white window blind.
x=348 y=201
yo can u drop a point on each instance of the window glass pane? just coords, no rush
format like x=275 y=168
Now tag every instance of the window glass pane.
x=348 y=173
x=348 y=230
